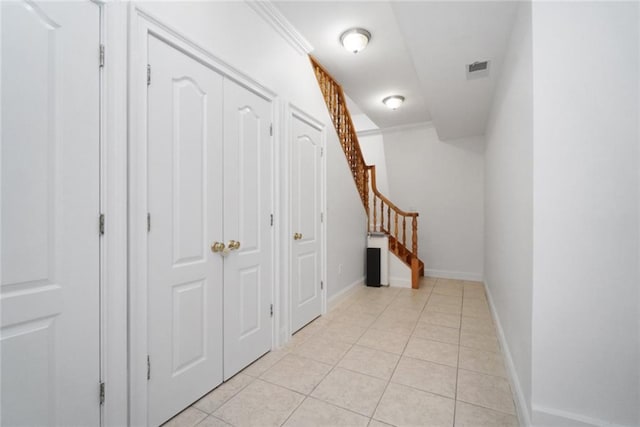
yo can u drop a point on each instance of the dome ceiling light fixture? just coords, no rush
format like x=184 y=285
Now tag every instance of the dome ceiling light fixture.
x=393 y=101
x=355 y=39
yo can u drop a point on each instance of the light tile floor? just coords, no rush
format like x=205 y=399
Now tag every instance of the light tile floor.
x=384 y=356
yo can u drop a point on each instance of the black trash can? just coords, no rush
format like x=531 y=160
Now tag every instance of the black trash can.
x=373 y=267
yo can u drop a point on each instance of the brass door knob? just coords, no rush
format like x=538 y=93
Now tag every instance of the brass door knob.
x=233 y=245
x=297 y=236
x=217 y=247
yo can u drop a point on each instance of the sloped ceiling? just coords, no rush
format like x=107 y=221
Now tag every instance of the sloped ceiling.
x=418 y=50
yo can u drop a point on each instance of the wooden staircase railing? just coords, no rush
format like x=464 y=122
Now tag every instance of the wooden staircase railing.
x=380 y=210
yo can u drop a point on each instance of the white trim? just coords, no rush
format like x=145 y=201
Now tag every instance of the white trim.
x=137 y=219
x=343 y=294
x=399 y=128
x=272 y=16
x=113 y=203
x=522 y=409
x=552 y=416
x=142 y=25
x=282 y=224
x=399 y=282
x=174 y=36
x=457 y=275
x=276 y=107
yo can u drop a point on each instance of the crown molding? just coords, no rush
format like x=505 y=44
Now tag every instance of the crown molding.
x=267 y=11
x=399 y=128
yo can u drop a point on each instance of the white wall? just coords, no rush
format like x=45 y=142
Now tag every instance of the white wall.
x=443 y=181
x=372 y=147
x=347 y=225
x=586 y=210
x=508 y=244
x=237 y=35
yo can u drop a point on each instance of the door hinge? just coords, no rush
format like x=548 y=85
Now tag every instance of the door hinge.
x=321 y=151
x=101 y=55
x=148 y=222
x=271 y=220
x=271 y=129
x=321 y=285
x=148 y=74
x=148 y=367
x=321 y=216
x=102 y=393
x=271 y=310
x=101 y=224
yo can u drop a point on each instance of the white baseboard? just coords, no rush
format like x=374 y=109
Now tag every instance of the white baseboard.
x=336 y=299
x=456 y=275
x=399 y=282
x=543 y=416
x=521 y=403
x=540 y=416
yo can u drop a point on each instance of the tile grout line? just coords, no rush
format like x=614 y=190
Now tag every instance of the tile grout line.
x=401 y=354
x=455 y=401
x=366 y=330
x=333 y=367
x=306 y=396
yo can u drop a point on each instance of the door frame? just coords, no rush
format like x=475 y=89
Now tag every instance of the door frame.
x=113 y=204
x=142 y=25
x=293 y=111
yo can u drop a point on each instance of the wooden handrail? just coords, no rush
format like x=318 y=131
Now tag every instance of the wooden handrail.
x=365 y=175
x=382 y=197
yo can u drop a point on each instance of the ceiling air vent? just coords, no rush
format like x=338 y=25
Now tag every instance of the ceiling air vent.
x=477 y=70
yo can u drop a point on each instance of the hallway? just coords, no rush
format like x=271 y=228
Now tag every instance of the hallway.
x=383 y=356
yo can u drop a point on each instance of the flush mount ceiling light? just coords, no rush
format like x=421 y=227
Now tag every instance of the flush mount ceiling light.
x=393 y=101
x=355 y=39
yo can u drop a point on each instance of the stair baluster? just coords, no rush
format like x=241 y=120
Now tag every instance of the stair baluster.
x=365 y=177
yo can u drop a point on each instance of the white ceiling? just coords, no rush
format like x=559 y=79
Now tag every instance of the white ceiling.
x=418 y=49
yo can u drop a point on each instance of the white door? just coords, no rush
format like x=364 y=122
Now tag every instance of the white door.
x=49 y=292
x=184 y=195
x=248 y=202
x=306 y=197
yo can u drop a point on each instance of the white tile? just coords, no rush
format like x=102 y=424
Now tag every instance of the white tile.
x=406 y=406
x=316 y=413
x=383 y=340
x=258 y=367
x=260 y=404
x=441 y=319
x=212 y=421
x=475 y=416
x=216 y=398
x=477 y=325
x=437 y=333
x=479 y=341
x=350 y=390
x=187 y=418
x=485 y=390
x=426 y=376
x=369 y=361
x=341 y=331
x=323 y=350
x=432 y=351
x=297 y=373
x=485 y=362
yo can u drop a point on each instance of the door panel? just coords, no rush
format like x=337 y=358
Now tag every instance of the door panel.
x=49 y=289
x=185 y=190
x=306 y=150
x=248 y=187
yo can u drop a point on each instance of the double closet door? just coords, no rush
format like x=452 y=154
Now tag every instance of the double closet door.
x=210 y=231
